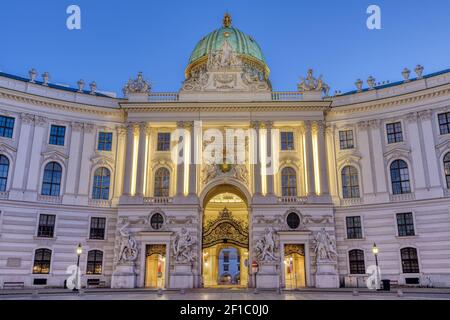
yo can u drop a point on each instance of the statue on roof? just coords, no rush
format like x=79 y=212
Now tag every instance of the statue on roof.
x=138 y=85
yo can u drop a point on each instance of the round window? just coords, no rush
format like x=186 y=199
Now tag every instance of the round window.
x=156 y=221
x=293 y=220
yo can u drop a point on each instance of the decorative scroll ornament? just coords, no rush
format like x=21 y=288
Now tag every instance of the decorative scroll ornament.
x=213 y=171
x=266 y=248
x=138 y=85
x=155 y=249
x=294 y=248
x=324 y=247
x=225 y=229
x=183 y=247
x=310 y=83
x=128 y=245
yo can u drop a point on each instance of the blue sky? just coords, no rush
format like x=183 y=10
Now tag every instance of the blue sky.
x=120 y=38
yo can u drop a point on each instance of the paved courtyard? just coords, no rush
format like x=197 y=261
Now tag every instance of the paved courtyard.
x=226 y=295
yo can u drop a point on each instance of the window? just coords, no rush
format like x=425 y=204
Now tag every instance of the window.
x=346 y=139
x=410 y=262
x=400 y=177
x=100 y=190
x=156 y=221
x=97 y=231
x=226 y=267
x=57 y=134
x=446 y=169
x=287 y=141
x=162 y=182
x=350 y=182
x=42 y=258
x=293 y=220
x=405 y=224
x=105 y=141
x=356 y=261
x=163 y=141
x=94 y=262
x=6 y=126
x=46 y=227
x=51 y=184
x=394 y=132
x=4 y=169
x=444 y=122
x=354 y=229
x=226 y=257
x=288 y=182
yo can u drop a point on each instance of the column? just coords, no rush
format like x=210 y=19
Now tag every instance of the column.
x=24 y=144
x=418 y=156
x=129 y=159
x=180 y=158
x=193 y=158
x=269 y=165
x=85 y=169
x=332 y=173
x=378 y=156
x=364 y=144
x=309 y=160
x=120 y=162
x=321 y=146
x=36 y=150
x=74 y=158
x=141 y=170
x=257 y=156
x=433 y=170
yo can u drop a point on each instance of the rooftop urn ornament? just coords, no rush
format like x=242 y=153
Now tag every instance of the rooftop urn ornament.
x=227 y=20
x=93 y=87
x=32 y=73
x=419 y=71
x=371 y=82
x=45 y=78
x=80 y=84
x=137 y=86
x=359 y=84
x=406 y=73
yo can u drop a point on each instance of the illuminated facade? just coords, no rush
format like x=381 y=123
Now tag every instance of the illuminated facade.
x=160 y=187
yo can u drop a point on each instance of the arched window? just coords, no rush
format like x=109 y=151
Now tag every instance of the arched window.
x=4 y=168
x=94 y=262
x=410 y=261
x=356 y=261
x=288 y=182
x=42 y=259
x=162 y=182
x=400 y=177
x=293 y=220
x=102 y=178
x=51 y=184
x=447 y=169
x=350 y=182
x=156 y=221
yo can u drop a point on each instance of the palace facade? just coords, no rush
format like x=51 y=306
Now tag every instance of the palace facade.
x=226 y=182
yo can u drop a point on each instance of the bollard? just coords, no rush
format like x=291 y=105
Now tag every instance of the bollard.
x=160 y=292
x=182 y=291
x=399 y=293
x=35 y=294
x=256 y=291
x=355 y=293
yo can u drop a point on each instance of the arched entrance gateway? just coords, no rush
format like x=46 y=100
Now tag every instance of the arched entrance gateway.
x=225 y=237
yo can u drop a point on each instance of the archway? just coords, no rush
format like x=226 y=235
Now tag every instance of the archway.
x=225 y=237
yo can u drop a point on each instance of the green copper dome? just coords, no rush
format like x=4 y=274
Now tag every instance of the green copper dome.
x=241 y=43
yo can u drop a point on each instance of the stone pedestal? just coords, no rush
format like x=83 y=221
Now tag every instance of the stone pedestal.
x=182 y=277
x=124 y=277
x=326 y=275
x=268 y=276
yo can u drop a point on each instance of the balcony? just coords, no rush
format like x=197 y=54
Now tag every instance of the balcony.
x=402 y=197
x=351 y=202
x=286 y=96
x=49 y=199
x=292 y=200
x=99 y=203
x=158 y=200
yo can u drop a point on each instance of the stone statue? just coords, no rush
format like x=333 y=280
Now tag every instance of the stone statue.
x=138 y=85
x=310 y=83
x=324 y=246
x=265 y=247
x=128 y=245
x=183 y=247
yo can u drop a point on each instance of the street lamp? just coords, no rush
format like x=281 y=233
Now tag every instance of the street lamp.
x=375 y=253
x=79 y=252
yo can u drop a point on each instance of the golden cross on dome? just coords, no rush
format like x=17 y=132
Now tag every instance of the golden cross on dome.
x=227 y=20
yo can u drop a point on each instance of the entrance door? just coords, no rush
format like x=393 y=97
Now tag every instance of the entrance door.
x=294 y=266
x=155 y=266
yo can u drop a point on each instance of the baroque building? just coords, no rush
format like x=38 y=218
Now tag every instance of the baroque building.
x=226 y=182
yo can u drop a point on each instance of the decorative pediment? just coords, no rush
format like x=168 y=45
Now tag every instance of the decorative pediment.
x=54 y=155
x=102 y=160
x=348 y=158
x=8 y=150
x=398 y=152
x=161 y=163
x=443 y=146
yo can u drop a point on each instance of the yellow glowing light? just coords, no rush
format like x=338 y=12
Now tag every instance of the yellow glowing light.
x=186 y=156
x=145 y=166
x=316 y=163
x=263 y=157
x=135 y=159
x=305 y=167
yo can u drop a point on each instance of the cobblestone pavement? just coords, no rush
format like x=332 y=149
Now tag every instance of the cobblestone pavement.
x=226 y=295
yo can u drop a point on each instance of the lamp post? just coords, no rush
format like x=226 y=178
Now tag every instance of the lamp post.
x=375 y=253
x=79 y=252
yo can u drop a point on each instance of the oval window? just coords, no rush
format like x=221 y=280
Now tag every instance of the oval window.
x=293 y=220
x=156 y=221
